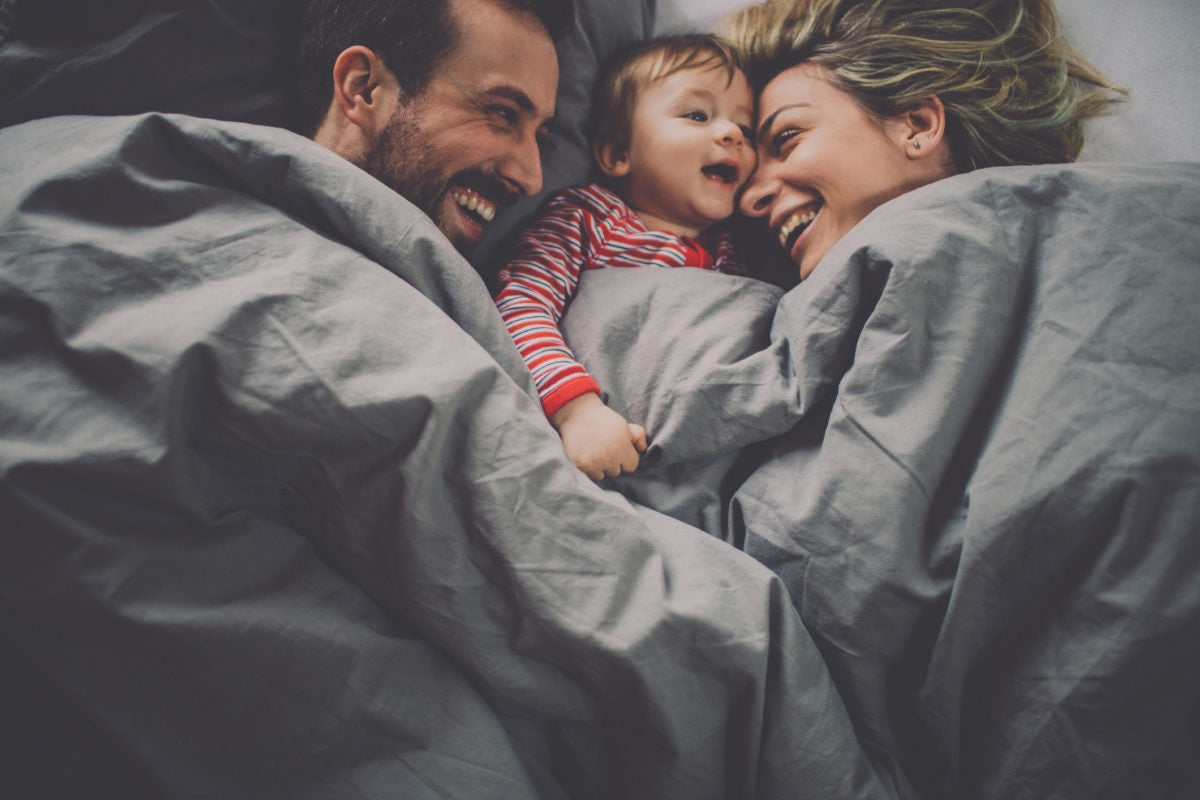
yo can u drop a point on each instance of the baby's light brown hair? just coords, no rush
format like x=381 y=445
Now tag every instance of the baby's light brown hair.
x=627 y=74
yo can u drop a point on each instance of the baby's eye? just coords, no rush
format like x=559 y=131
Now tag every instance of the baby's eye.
x=696 y=116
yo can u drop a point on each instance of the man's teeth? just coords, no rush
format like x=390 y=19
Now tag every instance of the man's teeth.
x=473 y=202
x=793 y=222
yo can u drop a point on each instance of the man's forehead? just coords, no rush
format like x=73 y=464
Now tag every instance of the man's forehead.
x=475 y=16
x=505 y=52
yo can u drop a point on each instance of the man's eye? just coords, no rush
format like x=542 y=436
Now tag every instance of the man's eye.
x=696 y=116
x=505 y=113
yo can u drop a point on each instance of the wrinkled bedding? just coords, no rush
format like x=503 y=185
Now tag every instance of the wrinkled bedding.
x=282 y=517
x=977 y=467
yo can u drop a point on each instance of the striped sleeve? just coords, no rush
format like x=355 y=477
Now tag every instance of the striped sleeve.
x=535 y=286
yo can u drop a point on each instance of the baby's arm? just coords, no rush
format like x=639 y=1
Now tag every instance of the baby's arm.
x=597 y=439
x=536 y=285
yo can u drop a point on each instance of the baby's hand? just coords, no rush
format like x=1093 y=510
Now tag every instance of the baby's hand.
x=598 y=440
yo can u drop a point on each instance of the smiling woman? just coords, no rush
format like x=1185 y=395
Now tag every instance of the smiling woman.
x=824 y=163
x=862 y=100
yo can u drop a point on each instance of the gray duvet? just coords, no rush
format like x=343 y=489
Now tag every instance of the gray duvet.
x=981 y=474
x=281 y=517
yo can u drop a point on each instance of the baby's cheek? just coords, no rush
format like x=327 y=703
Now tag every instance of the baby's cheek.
x=749 y=164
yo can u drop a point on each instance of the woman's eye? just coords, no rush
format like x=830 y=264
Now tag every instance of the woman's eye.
x=696 y=116
x=784 y=140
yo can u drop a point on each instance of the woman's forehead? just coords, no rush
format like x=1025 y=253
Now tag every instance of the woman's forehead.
x=802 y=85
x=806 y=78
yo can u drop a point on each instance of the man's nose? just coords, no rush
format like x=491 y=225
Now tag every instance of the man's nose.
x=523 y=167
x=759 y=195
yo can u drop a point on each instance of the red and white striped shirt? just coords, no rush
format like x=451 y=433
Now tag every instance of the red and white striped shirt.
x=582 y=228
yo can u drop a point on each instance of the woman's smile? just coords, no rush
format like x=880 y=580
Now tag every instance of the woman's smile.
x=794 y=225
x=824 y=163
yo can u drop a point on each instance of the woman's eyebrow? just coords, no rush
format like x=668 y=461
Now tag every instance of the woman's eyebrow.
x=766 y=123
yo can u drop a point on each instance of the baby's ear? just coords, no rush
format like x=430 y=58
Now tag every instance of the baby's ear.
x=612 y=157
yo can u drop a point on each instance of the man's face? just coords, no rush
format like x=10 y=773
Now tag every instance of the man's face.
x=468 y=145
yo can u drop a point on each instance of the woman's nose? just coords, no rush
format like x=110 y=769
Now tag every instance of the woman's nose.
x=759 y=195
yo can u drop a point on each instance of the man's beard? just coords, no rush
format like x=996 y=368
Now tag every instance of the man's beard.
x=402 y=159
x=398 y=159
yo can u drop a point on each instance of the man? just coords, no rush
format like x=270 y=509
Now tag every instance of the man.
x=445 y=101
x=280 y=517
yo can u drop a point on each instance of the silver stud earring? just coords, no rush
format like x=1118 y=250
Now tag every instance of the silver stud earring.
x=916 y=145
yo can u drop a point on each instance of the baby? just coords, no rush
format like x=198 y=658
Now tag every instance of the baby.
x=673 y=141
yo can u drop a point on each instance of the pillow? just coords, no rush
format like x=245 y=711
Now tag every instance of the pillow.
x=232 y=59
x=226 y=59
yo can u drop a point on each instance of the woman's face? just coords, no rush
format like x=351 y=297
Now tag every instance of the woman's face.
x=824 y=163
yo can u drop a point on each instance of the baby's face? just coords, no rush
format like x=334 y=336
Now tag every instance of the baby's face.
x=690 y=149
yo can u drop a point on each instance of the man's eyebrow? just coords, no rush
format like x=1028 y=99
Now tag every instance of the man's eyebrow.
x=766 y=123
x=514 y=94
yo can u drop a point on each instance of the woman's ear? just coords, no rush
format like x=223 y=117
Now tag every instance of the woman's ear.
x=612 y=158
x=922 y=128
x=364 y=90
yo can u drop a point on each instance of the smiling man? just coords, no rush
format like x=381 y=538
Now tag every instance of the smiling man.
x=445 y=101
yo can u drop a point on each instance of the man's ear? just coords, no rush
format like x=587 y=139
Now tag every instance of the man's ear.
x=364 y=90
x=612 y=157
x=922 y=128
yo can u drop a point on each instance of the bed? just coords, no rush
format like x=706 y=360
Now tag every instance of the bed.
x=282 y=517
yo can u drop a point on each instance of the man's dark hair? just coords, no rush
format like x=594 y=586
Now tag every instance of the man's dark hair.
x=410 y=36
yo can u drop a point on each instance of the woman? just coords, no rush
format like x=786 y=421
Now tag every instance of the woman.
x=969 y=514
x=863 y=100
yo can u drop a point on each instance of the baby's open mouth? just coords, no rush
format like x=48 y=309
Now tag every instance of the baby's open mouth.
x=725 y=173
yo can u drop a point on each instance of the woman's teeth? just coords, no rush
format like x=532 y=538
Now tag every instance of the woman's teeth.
x=794 y=222
x=473 y=202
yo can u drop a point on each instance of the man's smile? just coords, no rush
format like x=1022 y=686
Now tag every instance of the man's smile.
x=475 y=203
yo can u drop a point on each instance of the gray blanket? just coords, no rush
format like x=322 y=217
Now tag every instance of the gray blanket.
x=980 y=467
x=281 y=518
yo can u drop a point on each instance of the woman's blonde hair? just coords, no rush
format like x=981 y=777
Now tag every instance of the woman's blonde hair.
x=1014 y=91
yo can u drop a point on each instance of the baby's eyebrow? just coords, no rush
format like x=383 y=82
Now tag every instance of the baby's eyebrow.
x=694 y=93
